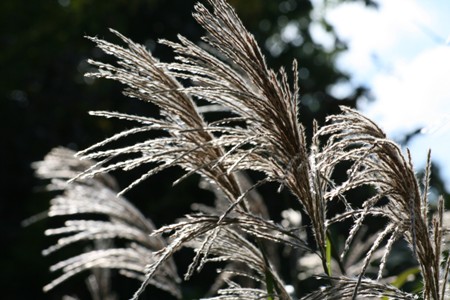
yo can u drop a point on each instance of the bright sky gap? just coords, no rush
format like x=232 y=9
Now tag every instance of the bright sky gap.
x=401 y=51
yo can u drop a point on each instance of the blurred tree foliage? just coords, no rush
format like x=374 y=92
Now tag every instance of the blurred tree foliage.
x=44 y=99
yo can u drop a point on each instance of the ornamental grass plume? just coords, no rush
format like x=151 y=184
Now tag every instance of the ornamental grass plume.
x=260 y=133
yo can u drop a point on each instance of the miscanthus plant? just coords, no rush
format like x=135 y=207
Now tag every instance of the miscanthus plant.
x=259 y=133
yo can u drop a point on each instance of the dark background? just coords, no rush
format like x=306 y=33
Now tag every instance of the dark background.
x=44 y=100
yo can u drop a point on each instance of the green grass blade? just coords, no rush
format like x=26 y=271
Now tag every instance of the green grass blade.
x=328 y=255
